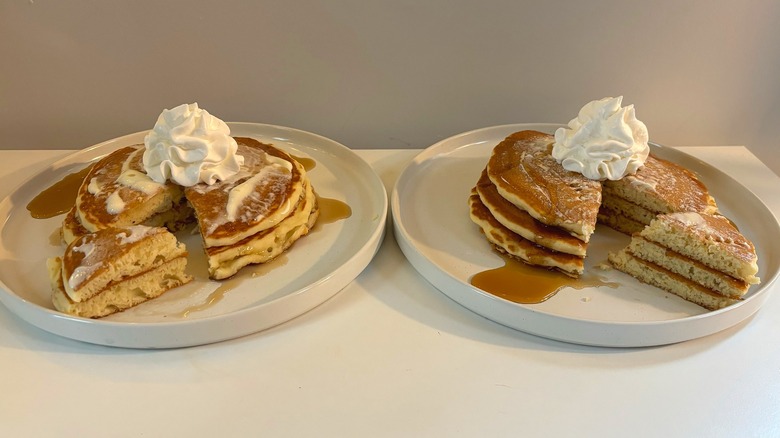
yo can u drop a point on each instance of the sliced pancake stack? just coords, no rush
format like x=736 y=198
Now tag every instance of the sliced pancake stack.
x=658 y=187
x=250 y=217
x=702 y=258
x=529 y=207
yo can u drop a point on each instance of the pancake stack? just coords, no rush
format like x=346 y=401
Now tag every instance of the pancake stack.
x=114 y=269
x=702 y=258
x=658 y=187
x=250 y=217
x=255 y=215
x=529 y=207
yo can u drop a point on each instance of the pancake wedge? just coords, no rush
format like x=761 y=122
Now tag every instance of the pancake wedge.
x=659 y=187
x=114 y=269
x=703 y=258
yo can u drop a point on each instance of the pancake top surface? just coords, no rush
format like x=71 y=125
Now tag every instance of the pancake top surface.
x=552 y=237
x=116 y=184
x=675 y=187
x=94 y=253
x=526 y=174
x=717 y=232
x=259 y=196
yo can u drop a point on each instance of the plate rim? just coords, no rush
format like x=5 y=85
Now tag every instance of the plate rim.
x=445 y=281
x=175 y=332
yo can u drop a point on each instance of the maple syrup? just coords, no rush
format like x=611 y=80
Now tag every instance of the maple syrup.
x=332 y=210
x=59 y=198
x=307 y=163
x=227 y=285
x=55 y=238
x=525 y=284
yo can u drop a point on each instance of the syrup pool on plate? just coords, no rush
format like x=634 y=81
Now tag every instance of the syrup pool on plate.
x=59 y=197
x=525 y=284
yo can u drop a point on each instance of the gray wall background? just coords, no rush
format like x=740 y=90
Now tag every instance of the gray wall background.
x=389 y=74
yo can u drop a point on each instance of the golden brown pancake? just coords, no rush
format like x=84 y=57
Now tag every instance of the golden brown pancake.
x=523 y=224
x=525 y=174
x=263 y=246
x=113 y=269
x=702 y=258
x=528 y=206
x=117 y=193
x=264 y=192
x=658 y=187
x=250 y=217
x=506 y=241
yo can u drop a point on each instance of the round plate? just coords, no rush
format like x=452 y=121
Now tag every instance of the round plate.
x=433 y=228
x=314 y=269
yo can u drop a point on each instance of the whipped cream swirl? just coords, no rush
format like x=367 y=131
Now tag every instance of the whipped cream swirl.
x=605 y=141
x=190 y=146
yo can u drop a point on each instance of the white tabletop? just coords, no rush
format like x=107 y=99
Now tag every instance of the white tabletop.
x=391 y=356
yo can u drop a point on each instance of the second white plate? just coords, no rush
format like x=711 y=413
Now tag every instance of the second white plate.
x=313 y=270
x=432 y=226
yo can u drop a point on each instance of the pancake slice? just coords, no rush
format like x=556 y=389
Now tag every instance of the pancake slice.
x=658 y=187
x=701 y=257
x=652 y=274
x=116 y=268
x=258 y=213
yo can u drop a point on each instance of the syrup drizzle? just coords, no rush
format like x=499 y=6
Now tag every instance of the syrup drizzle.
x=307 y=163
x=227 y=285
x=525 y=284
x=331 y=210
x=59 y=198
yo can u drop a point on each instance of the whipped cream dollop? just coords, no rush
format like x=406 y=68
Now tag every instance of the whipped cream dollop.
x=189 y=146
x=605 y=141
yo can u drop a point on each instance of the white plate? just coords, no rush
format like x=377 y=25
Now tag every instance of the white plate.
x=432 y=226
x=313 y=270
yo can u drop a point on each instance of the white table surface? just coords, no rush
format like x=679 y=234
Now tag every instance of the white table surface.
x=391 y=356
